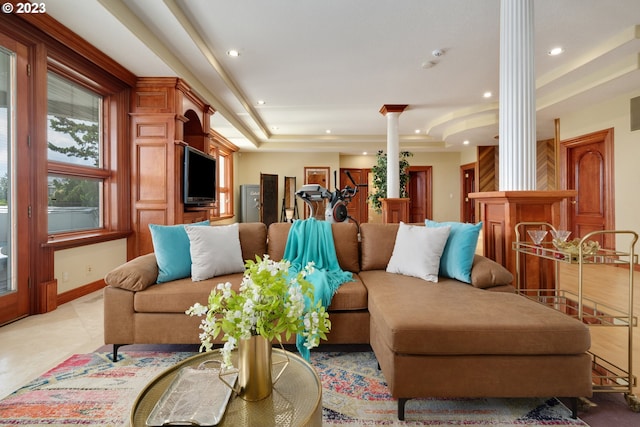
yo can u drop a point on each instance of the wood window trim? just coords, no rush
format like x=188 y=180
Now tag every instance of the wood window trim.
x=223 y=147
x=73 y=240
x=51 y=46
x=115 y=212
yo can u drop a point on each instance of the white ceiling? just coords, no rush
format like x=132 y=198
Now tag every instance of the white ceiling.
x=332 y=64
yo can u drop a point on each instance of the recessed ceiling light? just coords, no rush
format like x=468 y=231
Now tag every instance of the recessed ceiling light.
x=465 y=142
x=328 y=131
x=364 y=153
x=487 y=94
x=417 y=131
x=233 y=53
x=261 y=102
x=555 y=51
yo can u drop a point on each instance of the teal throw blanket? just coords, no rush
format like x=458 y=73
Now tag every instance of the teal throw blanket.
x=311 y=240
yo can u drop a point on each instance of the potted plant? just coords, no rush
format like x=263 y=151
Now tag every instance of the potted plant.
x=270 y=303
x=379 y=171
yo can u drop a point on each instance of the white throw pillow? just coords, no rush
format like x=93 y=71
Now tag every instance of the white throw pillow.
x=215 y=251
x=417 y=251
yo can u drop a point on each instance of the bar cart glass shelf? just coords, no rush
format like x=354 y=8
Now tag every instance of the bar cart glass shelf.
x=607 y=377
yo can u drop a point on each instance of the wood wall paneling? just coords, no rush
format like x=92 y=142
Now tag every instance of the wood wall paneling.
x=395 y=210
x=165 y=117
x=487 y=169
x=153 y=174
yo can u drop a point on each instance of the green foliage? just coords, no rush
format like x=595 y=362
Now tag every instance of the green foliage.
x=4 y=189
x=269 y=303
x=74 y=192
x=379 y=171
x=84 y=135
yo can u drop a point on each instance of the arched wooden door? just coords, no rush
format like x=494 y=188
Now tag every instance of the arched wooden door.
x=588 y=168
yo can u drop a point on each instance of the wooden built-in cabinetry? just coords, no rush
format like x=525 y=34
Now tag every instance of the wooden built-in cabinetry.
x=165 y=116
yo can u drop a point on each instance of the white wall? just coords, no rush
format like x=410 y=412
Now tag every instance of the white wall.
x=614 y=113
x=446 y=173
x=249 y=165
x=79 y=266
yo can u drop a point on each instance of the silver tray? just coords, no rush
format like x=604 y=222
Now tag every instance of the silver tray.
x=196 y=397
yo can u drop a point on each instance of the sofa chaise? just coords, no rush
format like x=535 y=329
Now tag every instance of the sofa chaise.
x=445 y=339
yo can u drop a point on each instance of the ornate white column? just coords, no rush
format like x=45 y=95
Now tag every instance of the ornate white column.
x=392 y=113
x=517 y=135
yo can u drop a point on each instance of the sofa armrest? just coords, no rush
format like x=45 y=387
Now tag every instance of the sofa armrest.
x=119 y=324
x=486 y=273
x=135 y=275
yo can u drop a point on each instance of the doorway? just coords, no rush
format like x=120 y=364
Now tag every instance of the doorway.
x=586 y=164
x=14 y=184
x=268 y=198
x=420 y=194
x=468 y=184
x=358 y=208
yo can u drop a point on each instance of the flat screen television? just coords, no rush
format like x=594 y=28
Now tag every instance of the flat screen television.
x=199 y=178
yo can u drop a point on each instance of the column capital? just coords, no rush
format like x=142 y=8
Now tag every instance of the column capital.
x=392 y=108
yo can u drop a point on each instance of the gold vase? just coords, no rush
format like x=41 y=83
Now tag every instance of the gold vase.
x=255 y=380
x=254 y=366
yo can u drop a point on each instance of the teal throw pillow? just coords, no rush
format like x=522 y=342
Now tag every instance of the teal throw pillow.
x=172 y=249
x=457 y=258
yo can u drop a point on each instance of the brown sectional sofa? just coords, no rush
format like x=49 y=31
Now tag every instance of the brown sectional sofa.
x=445 y=339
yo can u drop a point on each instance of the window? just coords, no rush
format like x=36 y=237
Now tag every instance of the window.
x=223 y=150
x=224 y=186
x=74 y=153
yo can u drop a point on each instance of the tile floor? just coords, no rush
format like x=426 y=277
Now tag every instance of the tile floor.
x=31 y=346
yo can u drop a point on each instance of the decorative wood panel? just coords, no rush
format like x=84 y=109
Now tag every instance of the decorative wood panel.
x=151 y=130
x=165 y=116
x=145 y=217
x=487 y=169
x=503 y=210
x=151 y=100
x=152 y=179
x=395 y=210
x=546 y=165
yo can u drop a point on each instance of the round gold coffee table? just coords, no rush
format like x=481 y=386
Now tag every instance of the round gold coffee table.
x=296 y=399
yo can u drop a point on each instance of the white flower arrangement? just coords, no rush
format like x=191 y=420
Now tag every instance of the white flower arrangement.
x=269 y=303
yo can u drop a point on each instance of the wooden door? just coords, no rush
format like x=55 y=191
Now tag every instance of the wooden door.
x=468 y=185
x=268 y=198
x=588 y=168
x=16 y=199
x=358 y=208
x=420 y=194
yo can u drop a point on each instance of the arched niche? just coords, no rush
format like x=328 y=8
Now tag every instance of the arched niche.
x=194 y=134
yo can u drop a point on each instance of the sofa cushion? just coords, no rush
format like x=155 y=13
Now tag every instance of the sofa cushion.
x=253 y=239
x=215 y=251
x=350 y=296
x=417 y=251
x=487 y=273
x=178 y=295
x=377 y=242
x=171 y=246
x=457 y=257
x=345 y=239
x=135 y=275
x=452 y=318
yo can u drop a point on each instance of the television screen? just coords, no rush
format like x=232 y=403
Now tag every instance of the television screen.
x=199 y=177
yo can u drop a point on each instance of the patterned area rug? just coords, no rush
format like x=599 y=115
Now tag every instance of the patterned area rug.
x=91 y=390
